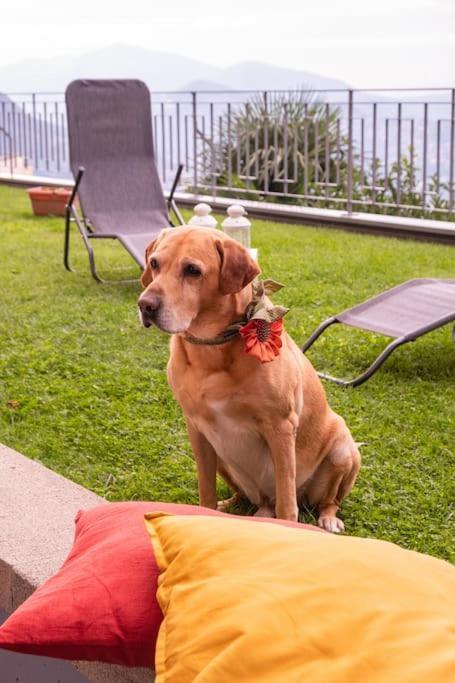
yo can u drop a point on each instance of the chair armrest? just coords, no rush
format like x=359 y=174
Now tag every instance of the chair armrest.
x=175 y=183
x=80 y=173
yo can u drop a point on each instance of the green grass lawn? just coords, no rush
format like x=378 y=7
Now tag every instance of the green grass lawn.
x=83 y=386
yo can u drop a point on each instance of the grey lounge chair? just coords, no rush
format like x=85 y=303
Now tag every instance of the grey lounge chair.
x=113 y=163
x=405 y=313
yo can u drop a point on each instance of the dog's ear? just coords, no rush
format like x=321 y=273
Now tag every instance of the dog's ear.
x=238 y=268
x=147 y=275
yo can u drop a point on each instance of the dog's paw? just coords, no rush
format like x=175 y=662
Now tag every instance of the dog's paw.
x=265 y=511
x=332 y=524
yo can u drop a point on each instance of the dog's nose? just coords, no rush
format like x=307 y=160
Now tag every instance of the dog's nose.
x=149 y=304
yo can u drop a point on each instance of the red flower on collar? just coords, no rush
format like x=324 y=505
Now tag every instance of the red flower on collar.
x=262 y=339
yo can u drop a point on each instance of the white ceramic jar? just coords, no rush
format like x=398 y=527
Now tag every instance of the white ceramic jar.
x=202 y=217
x=237 y=225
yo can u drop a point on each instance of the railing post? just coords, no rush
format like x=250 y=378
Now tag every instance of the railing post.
x=424 y=155
x=305 y=152
x=375 y=126
x=212 y=153
x=163 y=141
x=14 y=141
x=11 y=167
x=286 y=149
x=266 y=142
x=350 y=150
x=10 y=147
x=398 y=155
x=194 y=109
x=229 y=145
x=452 y=145
x=35 y=141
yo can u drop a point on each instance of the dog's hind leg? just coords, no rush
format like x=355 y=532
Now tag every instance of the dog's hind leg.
x=332 y=481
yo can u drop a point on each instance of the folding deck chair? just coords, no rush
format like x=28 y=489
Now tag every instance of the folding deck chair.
x=405 y=313
x=113 y=163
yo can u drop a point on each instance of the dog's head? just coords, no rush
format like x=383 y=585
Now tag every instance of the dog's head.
x=187 y=271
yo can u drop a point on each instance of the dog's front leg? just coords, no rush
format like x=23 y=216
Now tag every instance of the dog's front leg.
x=281 y=440
x=206 y=460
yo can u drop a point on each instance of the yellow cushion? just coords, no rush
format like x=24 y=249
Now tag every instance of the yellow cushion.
x=259 y=603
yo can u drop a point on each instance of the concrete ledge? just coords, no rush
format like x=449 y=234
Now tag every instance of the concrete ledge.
x=37 y=510
x=395 y=226
x=415 y=228
x=25 y=180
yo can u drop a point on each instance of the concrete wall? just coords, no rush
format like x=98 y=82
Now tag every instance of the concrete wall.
x=37 y=510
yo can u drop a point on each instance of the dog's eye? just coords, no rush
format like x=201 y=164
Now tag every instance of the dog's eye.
x=191 y=270
x=153 y=264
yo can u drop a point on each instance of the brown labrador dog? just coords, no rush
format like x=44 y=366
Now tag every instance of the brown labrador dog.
x=267 y=429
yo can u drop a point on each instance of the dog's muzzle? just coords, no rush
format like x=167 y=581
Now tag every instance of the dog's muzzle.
x=149 y=306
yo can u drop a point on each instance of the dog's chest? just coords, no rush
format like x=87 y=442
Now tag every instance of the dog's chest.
x=241 y=448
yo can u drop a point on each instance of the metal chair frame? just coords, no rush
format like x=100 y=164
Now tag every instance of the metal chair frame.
x=385 y=353
x=87 y=233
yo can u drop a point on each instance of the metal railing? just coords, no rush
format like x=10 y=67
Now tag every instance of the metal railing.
x=388 y=150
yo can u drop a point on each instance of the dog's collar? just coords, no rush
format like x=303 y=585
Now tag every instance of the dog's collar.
x=260 y=327
x=223 y=338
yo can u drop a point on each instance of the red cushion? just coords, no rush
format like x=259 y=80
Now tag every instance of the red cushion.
x=101 y=604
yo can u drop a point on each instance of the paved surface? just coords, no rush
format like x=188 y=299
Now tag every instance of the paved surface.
x=17 y=668
x=37 y=510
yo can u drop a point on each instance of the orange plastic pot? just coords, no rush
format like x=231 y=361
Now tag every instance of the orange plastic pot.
x=47 y=201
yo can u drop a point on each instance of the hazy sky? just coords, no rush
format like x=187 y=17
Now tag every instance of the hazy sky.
x=369 y=43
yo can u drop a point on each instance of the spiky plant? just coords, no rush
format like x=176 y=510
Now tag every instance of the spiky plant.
x=287 y=144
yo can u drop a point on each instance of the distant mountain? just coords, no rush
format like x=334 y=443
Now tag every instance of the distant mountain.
x=260 y=76
x=208 y=86
x=160 y=70
x=164 y=71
